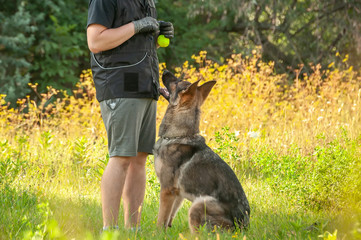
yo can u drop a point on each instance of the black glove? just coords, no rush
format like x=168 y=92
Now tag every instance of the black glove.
x=166 y=29
x=147 y=24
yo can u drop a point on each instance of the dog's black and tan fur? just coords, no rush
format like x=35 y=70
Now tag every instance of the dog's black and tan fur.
x=187 y=168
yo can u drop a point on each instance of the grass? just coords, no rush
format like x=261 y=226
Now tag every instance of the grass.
x=72 y=205
x=295 y=147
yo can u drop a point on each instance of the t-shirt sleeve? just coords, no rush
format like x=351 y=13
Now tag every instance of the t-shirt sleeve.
x=101 y=12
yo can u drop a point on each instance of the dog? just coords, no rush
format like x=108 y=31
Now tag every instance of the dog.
x=188 y=169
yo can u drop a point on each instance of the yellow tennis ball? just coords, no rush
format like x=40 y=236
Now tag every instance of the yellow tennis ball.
x=163 y=41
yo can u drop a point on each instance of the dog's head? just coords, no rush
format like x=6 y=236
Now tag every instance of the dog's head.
x=184 y=93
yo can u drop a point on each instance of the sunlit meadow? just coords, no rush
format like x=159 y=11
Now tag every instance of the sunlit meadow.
x=293 y=143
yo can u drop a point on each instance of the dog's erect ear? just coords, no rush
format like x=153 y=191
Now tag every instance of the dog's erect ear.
x=187 y=95
x=205 y=89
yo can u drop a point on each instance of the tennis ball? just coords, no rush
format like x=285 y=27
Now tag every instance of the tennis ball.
x=163 y=41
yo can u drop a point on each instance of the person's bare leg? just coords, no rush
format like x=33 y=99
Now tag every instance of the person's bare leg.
x=112 y=185
x=134 y=190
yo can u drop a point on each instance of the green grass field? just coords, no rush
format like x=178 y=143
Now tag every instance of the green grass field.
x=48 y=193
x=296 y=153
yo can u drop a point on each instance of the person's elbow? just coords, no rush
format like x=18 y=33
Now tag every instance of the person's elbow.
x=93 y=47
x=94 y=32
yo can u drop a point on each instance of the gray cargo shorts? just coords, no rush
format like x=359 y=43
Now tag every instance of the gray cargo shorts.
x=130 y=124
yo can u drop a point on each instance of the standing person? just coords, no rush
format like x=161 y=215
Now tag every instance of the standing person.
x=122 y=37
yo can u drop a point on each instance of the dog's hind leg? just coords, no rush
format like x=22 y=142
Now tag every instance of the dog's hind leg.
x=207 y=210
x=176 y=205
x=167 y=200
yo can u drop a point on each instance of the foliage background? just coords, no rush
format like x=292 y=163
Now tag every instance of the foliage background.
x=41 y=42
x=44 y=41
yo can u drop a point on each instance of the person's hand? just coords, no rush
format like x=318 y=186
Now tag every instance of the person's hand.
x=147 y=24
x=166 y=29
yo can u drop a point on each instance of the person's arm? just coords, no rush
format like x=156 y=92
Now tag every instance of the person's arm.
x=101 y=38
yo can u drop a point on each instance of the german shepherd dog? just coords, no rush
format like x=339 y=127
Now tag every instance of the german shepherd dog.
x=188 y=169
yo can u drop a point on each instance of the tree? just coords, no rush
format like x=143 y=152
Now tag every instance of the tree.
x=60 y=49
x=290 y=32
x=193 y=33
x=16 y=37
x=41 y=41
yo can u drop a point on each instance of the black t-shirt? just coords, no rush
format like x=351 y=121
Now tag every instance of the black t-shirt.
x=102 y=12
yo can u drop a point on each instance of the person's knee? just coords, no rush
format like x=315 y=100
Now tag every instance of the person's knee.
x=140 y=160
x=120 y=162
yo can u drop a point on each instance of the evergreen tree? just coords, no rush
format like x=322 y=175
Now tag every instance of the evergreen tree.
x=16 y=38
x=41 y=41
